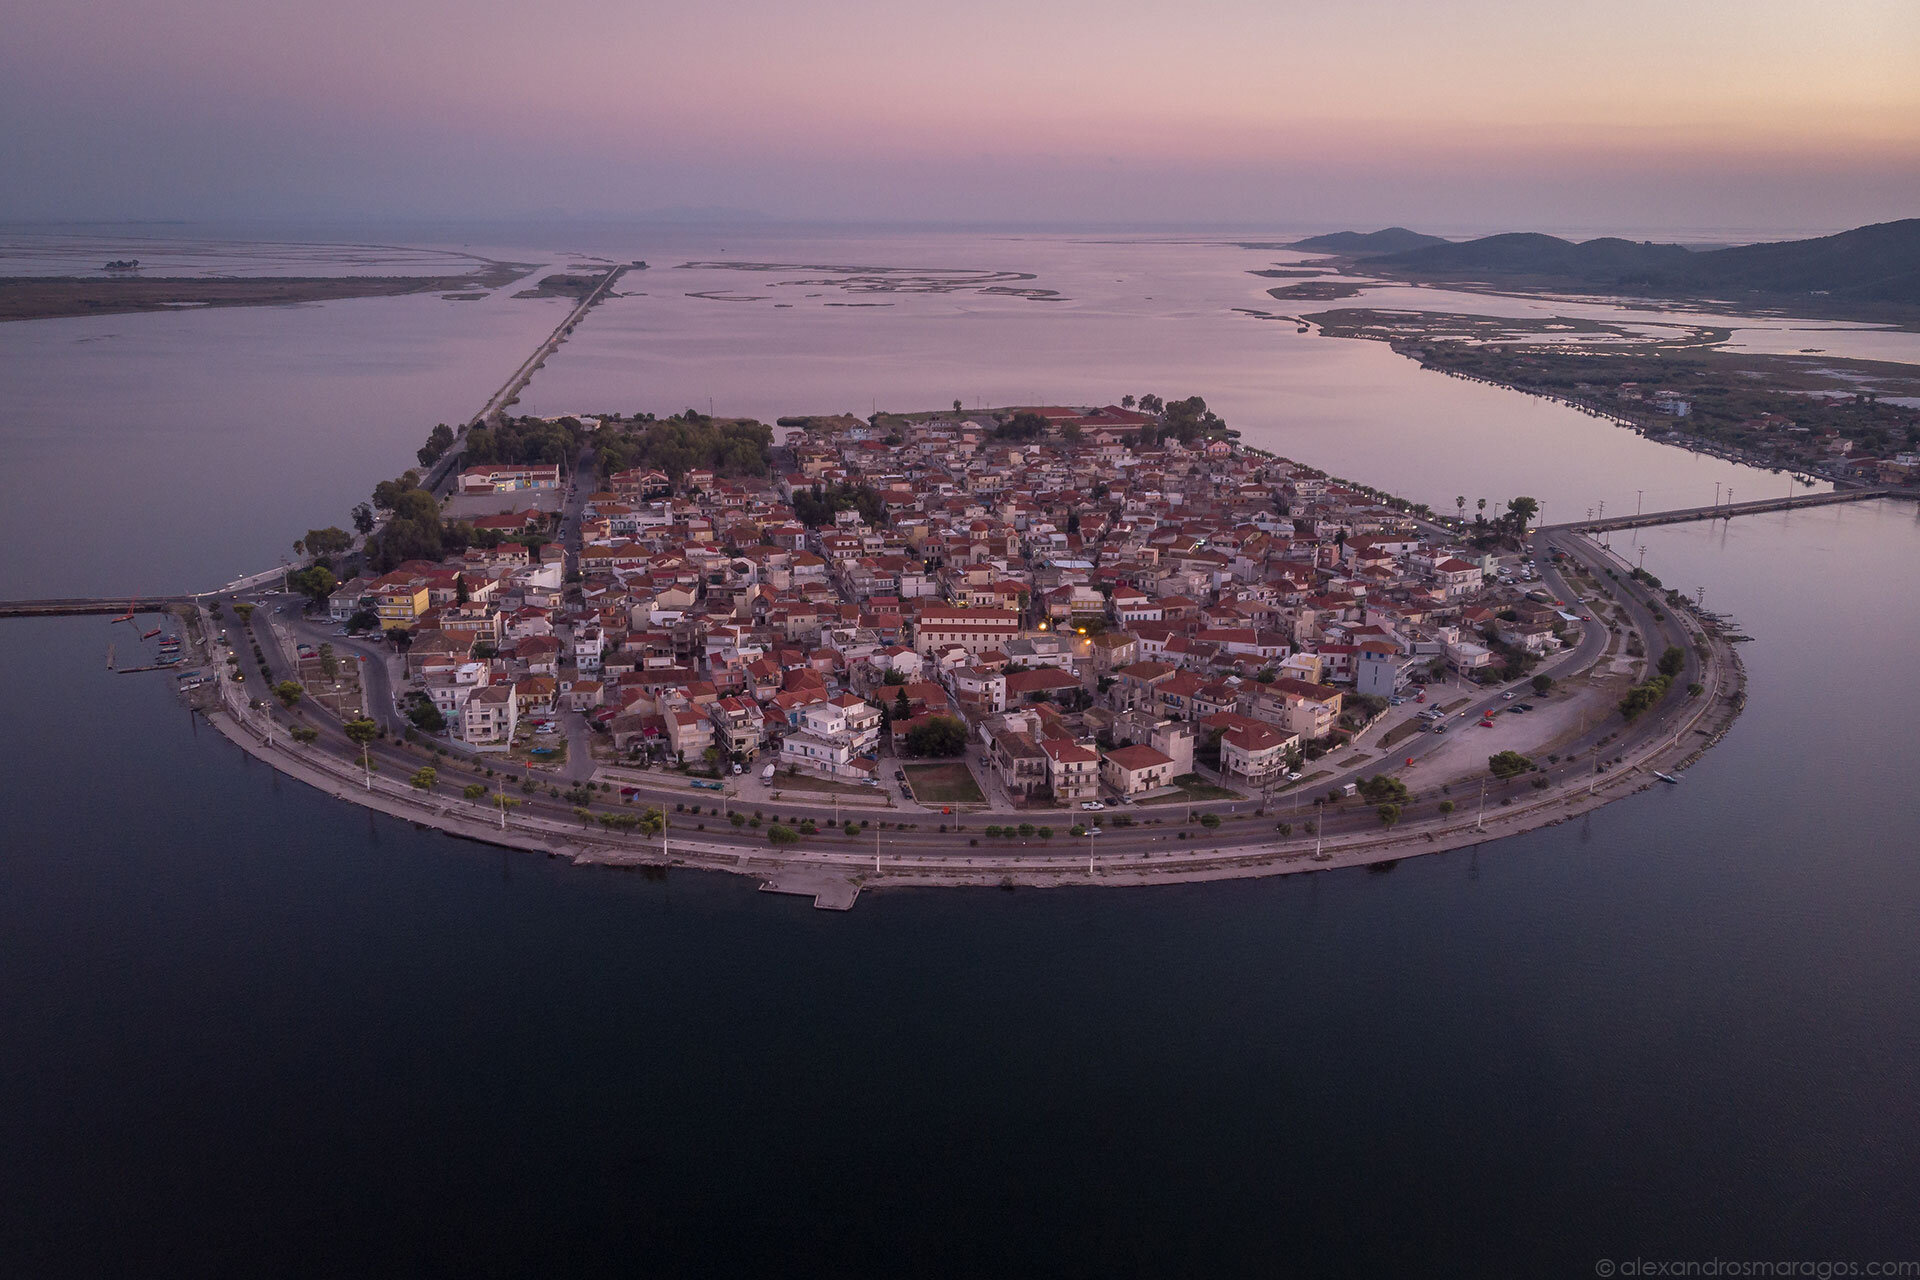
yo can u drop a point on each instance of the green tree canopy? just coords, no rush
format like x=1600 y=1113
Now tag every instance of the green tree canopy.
x=315 y=583
x=1508 y=764
x=439 y=440
x=938 y=736
x=330 y=541
x=689 y=440
x=1025 y=425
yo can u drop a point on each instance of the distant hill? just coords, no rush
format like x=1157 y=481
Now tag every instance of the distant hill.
x=1876 y=264
x=1363 y=244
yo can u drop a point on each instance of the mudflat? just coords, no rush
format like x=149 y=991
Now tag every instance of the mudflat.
x=52 y=297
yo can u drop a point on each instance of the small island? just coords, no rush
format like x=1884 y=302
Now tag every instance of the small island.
x=1036 y=645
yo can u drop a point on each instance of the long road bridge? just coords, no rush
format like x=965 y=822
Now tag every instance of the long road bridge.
x=1727 y=510
x=439 y=477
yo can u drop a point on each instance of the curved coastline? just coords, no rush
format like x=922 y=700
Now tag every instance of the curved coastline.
x=834 y=870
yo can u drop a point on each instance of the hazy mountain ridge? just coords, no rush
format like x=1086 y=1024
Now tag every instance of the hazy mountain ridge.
x=1358 y=244
x=1878 y=263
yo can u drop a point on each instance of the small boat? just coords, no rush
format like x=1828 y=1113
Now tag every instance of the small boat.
x=151 y=634
x=1671 y=779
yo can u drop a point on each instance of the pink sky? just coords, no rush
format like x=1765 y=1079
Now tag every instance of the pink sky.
x=1484 y=113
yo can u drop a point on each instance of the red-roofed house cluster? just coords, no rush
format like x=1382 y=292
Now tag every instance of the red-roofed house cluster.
x=1100 y=606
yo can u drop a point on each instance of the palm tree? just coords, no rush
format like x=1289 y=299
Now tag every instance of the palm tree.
x=1461 y=503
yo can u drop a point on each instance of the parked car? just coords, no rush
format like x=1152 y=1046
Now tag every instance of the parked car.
x=1091 y=806
x=705 y=784
x=899 y=775
x=1508 y=695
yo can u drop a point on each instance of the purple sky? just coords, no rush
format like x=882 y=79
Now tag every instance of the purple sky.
x=1471 y=114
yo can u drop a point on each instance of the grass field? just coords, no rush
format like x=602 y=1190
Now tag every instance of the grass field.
x=943 y=784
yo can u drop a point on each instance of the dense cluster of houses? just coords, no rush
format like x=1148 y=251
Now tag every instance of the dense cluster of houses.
x=1095 y=608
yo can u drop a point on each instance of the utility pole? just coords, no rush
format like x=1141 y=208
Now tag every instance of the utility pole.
x=1638 y=495
x=1319 y=833
x=1716 y=495
x=1480 y=821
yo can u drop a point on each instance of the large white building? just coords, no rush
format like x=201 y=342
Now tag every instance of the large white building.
x=835 y=739
x=975 y=630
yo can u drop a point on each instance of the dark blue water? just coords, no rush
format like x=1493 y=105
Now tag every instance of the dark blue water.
x=246 y=1030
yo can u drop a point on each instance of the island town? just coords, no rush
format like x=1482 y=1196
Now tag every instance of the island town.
x=1031 y=645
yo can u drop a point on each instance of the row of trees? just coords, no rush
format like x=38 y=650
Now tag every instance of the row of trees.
x=525 y=442
x=1511 y=526
x=414 y=530
x=439 y=440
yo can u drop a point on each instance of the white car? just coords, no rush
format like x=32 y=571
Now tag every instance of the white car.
x=1507 y=696
x=1095 y=831
x=1092 y=806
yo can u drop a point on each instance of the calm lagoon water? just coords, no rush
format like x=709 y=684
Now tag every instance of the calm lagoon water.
x=249 y=1030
